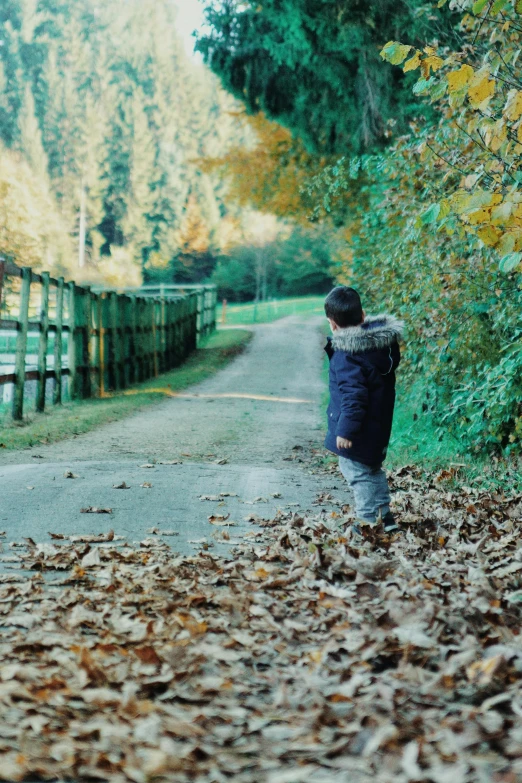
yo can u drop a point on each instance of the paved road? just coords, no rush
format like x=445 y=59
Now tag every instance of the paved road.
x=251 y=414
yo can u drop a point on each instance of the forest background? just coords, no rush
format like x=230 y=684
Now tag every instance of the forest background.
x=373 y=142
x=106 y=122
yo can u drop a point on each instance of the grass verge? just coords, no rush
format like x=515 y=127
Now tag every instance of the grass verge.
x=266 y=312
x=75 y=418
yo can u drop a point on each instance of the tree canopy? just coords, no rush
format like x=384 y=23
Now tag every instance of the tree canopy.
x=314 y=66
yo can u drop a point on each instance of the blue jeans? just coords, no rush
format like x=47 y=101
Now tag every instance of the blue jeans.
x=369 y=487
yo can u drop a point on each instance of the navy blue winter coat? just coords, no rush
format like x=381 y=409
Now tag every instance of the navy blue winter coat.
x=363 y=360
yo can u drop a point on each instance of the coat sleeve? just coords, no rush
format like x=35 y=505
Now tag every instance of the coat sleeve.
x=353 y=388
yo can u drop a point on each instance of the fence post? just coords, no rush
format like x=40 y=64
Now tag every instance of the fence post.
x=21 y=345
x=214 y=308
x=133 y=337
x=176 y=330
x=140 y=339
x=155 y=313
x=86 y=342
x=163 y=335
x=124 y=340
x=72 y=348
x=180 y=329
x=114 y=356
x=96 y=340
x=200 y=317
x=42 y=344
x=150 y=337
x=125 y=352
x=120 y=342
x=57 y=392
x=195 y=335
x=2 y=273
x=104 y=350
x=167 y=319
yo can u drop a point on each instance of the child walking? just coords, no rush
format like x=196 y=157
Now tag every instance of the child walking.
x=364 y=354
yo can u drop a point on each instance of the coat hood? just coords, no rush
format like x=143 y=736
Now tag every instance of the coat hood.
x=376 y=332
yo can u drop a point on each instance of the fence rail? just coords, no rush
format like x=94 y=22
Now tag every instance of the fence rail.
x=101 y=341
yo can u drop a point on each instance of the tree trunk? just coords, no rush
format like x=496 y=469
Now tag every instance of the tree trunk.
x=83 y=226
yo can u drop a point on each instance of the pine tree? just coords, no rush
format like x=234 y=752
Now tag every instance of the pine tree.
x=315 y=67
x=30 y=137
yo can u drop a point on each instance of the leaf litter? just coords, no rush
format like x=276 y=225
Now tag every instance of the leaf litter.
x=300 y=656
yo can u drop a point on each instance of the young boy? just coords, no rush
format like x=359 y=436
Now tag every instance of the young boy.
x=364 y=354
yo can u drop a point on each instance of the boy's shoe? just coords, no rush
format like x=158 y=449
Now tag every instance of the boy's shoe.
x=389 y=523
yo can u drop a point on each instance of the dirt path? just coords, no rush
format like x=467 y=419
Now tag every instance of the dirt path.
x=232 y=433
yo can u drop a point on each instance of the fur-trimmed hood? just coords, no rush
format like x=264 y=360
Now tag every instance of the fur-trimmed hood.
x=376 y=331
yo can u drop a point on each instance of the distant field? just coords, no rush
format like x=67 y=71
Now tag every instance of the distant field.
x=264 y=312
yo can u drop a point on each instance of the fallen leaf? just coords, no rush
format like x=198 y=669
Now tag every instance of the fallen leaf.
x=95 y=510
x=92 y=558
x=218 y=518
x=91 y=539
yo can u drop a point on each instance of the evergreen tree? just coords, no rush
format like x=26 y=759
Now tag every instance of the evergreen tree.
x=30 y=137
x=314 y=66
x=110 y=113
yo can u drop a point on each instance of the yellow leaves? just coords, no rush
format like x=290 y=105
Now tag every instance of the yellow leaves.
x=464 y=203
x=511 y=240
x=499 y=137
x=431 y=63
x=479 y=216
x=413 y=63
x=501 y=213
x=457 y=80
x=481 y=89
x=489 y=235
x=513 y=107
x=395 y=52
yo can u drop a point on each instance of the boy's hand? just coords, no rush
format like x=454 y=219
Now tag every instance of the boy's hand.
x=342 y=443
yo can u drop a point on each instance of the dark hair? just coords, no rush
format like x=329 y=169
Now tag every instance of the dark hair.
x=343 y=305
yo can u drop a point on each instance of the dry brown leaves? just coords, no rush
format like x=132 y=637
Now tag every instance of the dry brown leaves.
x=299 y=658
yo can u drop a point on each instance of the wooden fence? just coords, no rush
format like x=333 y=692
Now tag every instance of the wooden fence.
x=101 y=341
x=207 y=300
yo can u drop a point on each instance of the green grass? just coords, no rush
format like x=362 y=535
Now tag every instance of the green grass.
x=75 y=418
x=416 y=437
x=266 y=312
